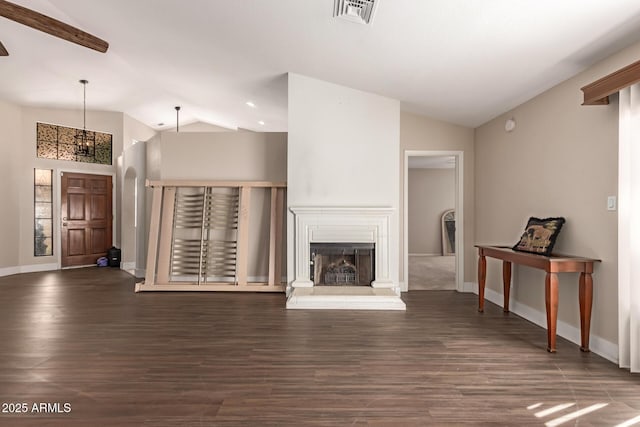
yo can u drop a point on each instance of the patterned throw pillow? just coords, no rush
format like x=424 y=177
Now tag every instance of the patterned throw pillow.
x=540 y=235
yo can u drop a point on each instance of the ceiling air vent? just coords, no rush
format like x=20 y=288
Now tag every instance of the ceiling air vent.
x=360 y=11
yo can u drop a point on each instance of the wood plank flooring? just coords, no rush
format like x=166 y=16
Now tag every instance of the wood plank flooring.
x=118 y=358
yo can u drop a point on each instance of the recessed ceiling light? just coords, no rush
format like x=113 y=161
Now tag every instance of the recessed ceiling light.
x=160 y=124
x=261 y=122
x=251 y=104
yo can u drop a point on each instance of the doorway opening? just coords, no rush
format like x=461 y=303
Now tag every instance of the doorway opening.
x=433 y=218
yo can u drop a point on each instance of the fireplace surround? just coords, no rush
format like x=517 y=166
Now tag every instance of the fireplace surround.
x=369 y=226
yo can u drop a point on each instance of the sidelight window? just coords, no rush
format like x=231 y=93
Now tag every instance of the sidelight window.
x=43 y=212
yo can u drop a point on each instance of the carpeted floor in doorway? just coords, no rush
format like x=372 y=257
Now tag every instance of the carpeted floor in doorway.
x=431 y=272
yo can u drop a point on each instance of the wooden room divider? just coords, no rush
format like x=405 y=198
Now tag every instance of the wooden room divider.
x=199 y=236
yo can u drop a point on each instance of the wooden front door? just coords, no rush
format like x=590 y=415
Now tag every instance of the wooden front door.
x=86 y=218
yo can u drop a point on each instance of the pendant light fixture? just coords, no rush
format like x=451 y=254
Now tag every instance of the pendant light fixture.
x=177 y=107
x=85 y=141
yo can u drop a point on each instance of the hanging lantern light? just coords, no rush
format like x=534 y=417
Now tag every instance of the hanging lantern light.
x=85 y=140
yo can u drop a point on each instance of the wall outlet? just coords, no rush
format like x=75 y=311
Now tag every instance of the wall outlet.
x=611 y=203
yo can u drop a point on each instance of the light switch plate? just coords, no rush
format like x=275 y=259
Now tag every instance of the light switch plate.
x=611 y=203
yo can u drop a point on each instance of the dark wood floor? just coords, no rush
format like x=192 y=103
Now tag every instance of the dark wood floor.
x=118 y=358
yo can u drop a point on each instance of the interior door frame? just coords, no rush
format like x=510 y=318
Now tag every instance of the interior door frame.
x=459 y=207
x=57 y=219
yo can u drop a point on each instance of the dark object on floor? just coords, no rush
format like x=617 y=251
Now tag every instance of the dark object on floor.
x=113 y=255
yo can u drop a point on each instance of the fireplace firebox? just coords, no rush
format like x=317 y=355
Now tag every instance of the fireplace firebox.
x=342 y=264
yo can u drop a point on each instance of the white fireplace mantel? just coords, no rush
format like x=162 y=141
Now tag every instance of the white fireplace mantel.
x=342 y=225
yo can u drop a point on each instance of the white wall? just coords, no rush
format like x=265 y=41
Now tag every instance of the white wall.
x=131 y=214
x=133 y=130
x=344 y=149
x=154 y=158
x=133 y=207
x=430 y=193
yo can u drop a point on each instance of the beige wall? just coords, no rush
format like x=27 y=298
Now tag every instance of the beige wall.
x=430 y=193
x=10 y=159
x=423 y=133
x=561 y=160
x=224 y=156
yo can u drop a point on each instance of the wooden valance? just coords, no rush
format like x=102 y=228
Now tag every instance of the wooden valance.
x=597 y=93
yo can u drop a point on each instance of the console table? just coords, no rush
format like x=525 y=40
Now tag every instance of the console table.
x=553 y=265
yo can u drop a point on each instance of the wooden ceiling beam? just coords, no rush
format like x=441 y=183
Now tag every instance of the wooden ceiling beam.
x=51 y=26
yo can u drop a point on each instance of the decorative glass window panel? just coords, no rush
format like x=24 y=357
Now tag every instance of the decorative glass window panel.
x=43 y=212
x=64 y=143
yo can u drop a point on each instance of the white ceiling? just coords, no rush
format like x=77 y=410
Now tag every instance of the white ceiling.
x=463 y=61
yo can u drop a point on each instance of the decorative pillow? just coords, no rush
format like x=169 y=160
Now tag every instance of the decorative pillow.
x=540 y=235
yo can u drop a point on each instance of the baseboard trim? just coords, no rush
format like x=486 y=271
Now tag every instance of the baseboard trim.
x=33 y=268
x=128 y=265
x=598 y=345
x=470 y=287
x=8 y=271
x=38 y=267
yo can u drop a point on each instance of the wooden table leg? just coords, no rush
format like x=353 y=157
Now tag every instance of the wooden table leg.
x=551 y=303
x=482 y=276
x=506 y=284
x=586 y=300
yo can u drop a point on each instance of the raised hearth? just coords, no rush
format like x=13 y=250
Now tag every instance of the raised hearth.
x=345 y=298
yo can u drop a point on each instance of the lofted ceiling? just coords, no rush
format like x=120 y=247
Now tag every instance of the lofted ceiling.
x=462 y=61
